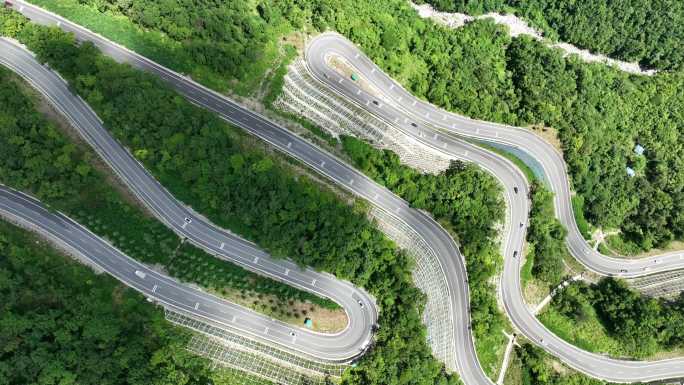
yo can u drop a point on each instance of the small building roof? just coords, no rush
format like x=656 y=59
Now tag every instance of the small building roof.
x=630 y=171
x=639 y=149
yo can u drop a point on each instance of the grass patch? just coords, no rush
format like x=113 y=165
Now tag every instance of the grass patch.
x=275 y=86
x=588 y=334
x=313 y=128
x=578 y=210
x=611 y=319
x=622 y=246
x=603 y=249
x=490 y=350
x=527 y=171
x=526 y=271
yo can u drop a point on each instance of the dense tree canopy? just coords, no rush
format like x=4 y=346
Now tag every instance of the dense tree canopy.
x=650 y=32
x=641 y=324
x=228 y=177
x=40 y=159
x=468 y=202
x=538 y=370
x=62 y=324
x=546 y=237
x=478 y=70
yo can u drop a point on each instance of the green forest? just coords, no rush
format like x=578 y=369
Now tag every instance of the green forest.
x=599 y=112
x=650 y=32
x=468 y=203
x=62 y=324
x=546 y=237
x=227 y=176
x=42 y=160
x=538 y=369
x=642 y=326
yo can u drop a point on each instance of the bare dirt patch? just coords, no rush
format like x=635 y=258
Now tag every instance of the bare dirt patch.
x=292 y=312
x=344 y=68
x=549 y=134
x=534 y=292
x=296 y=39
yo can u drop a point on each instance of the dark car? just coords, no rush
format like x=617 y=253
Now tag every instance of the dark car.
x=515 y=253
x=413 y=124
x=515 y=189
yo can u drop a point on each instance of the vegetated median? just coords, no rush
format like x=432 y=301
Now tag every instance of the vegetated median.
x=230 y=178
x=63 y=324
x=468 y=203
x=69 y=177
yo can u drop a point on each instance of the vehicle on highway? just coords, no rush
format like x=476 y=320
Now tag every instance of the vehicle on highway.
x=188 y=220
x=360 y=303
x=414 y=124
x=515 y=253
x=515 y=189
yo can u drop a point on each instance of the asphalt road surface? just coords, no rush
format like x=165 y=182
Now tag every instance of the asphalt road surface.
x=450 y=259
x=436 y=128
x=338 y=347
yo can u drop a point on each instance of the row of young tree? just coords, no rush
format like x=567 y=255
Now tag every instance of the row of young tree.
x=468 y=202
x=480 y=71
x=650 y=32
x=227 y=176
x=38 y=158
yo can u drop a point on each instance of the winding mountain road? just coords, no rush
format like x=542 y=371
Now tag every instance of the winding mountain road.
x=339 y=347
x=437 y=129
x=443 y=131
